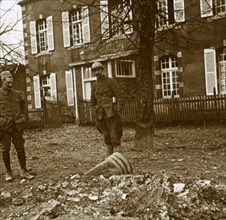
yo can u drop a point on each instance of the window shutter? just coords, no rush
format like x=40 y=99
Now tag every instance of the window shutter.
x=69 y=88
x=33 y=37
x=85 y=25
x=179 y=12
x=50 y=37
x=37 y=94
x=104 y=19
x=128 y=27
x=66 y=29
x=210 y=70
x=109 y=69
x=87 y=91
x=206 y=8
x=53 y=87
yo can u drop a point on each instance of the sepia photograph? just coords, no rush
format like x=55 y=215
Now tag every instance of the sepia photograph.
x=113 y=109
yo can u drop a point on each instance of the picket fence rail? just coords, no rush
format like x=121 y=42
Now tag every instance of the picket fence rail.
x=195 y=108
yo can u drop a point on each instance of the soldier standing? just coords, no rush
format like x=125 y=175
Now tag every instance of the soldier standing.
x=108 y=111
x=13 y=114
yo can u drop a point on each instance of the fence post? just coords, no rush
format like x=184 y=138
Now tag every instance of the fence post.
x=173 y=107
x=44 y=112
x=215 y=103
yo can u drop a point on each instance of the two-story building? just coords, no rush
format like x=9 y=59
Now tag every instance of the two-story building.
x=191 y=57
x=63 y=38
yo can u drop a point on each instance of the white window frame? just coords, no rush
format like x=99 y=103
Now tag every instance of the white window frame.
x=222 y=79
x=163 y=16
x=49 y=87
x=76 y=26
x=87 y=79
x=122 y=68
x=221 y=7
x=42 y=36
x=104 y=19
x=45 y=85
x=46 y=33
x=210 y=8
x=172 y=72
x=83 y=25
x=107 y=16
x=222 y=73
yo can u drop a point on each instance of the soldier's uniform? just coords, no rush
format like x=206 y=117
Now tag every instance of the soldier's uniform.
x=108 y=112
x=13 y=114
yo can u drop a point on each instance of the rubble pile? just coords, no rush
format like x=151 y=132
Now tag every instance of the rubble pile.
x=167 y=197
x=143 y=196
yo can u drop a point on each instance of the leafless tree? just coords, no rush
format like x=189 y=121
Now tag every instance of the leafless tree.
x=11 y=42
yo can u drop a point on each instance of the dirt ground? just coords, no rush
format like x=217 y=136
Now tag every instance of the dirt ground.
x=56 y=155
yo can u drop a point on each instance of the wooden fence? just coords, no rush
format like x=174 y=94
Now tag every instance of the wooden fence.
x=204 y=108
x=52 y=114
x=47 y=117
x=184 y=109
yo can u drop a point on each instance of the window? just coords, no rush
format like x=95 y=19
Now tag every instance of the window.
x=162 y=17
x=41 y=35
x=169 y=72
x=212 y=7
x=45 y=86
x=222 y=72
x=76 y=30
x=116 y=18
x=220 y=6
x=87 y=78
x=76 y=26
x=48 y=85
x=169 y=12
x=125 y=68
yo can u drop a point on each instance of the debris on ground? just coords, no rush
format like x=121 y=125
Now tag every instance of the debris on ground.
x=183 y=177
x=118 y=197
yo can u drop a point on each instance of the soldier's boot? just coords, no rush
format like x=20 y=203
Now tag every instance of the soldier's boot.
x=22 y=160
x=6 y=160
x=109 y=149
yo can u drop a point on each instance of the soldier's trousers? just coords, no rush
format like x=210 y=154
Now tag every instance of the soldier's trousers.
x=111 y=129
x=16 y=137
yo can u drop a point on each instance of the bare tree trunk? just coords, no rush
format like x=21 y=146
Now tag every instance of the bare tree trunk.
x=145 y=95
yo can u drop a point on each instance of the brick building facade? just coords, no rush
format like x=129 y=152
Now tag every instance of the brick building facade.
x=63 y=38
